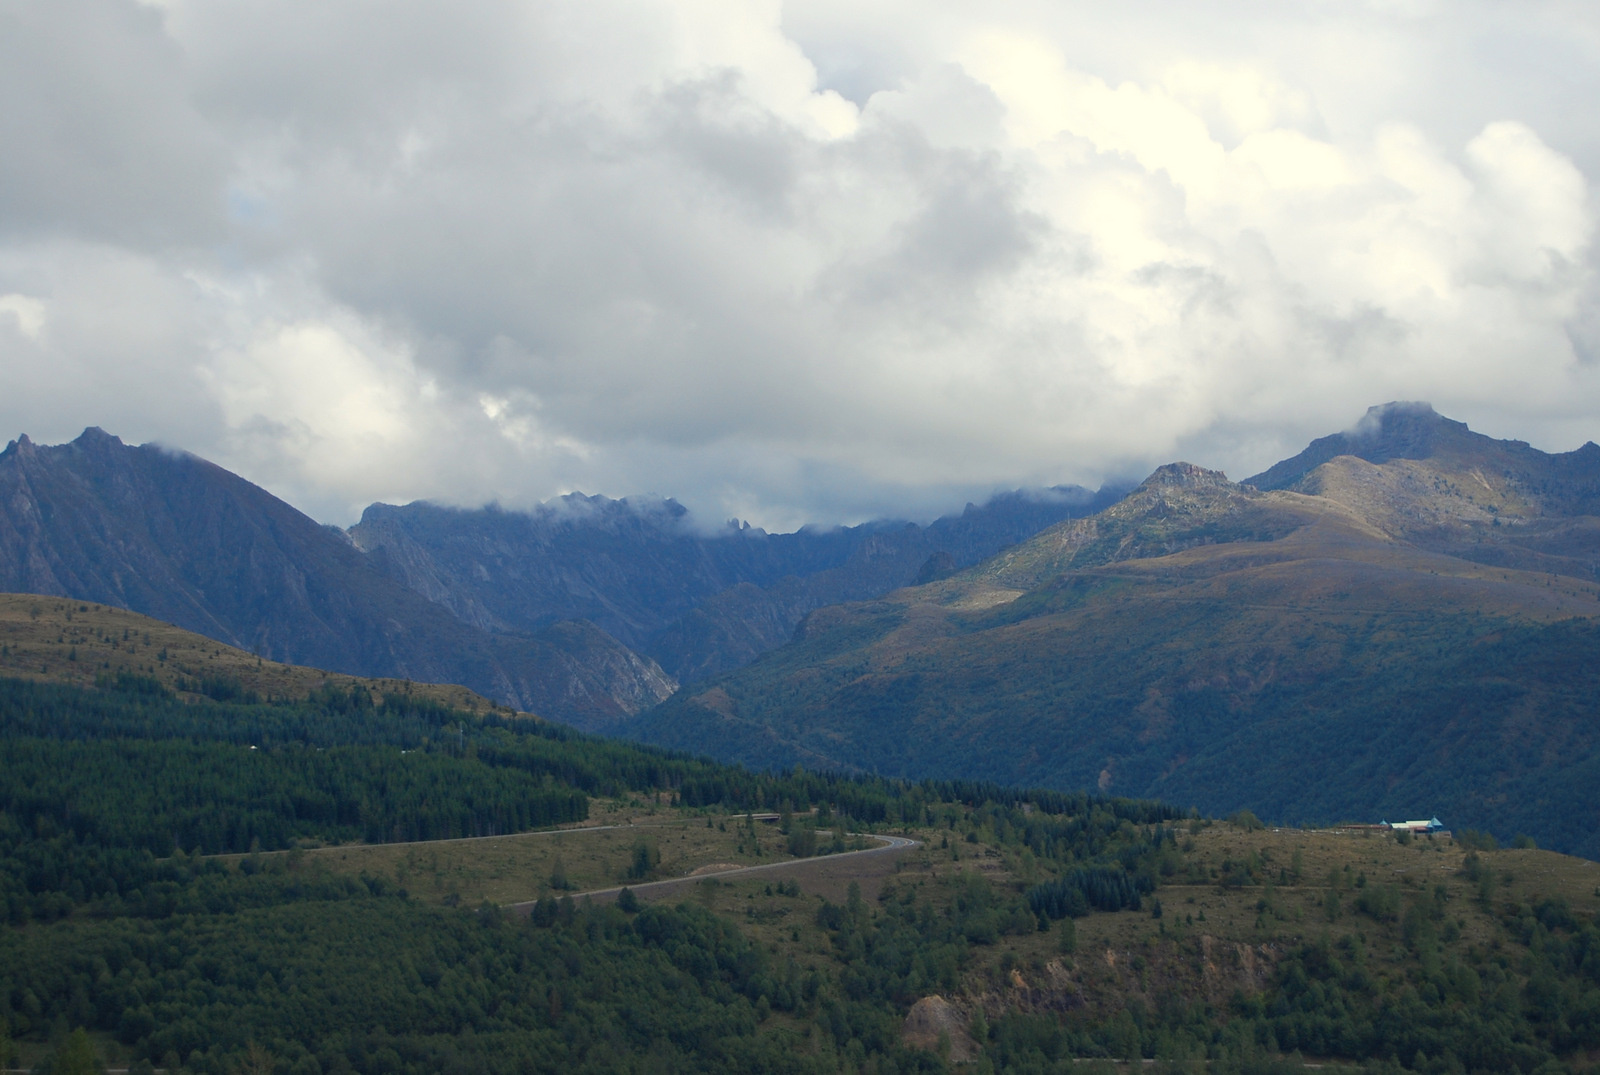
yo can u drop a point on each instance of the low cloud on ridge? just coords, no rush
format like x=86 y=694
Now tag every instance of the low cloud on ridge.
x=787 y=262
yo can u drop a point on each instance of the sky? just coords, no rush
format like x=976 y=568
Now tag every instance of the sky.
x=789 y=262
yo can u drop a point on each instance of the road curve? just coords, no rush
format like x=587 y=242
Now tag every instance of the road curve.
x=890 y=845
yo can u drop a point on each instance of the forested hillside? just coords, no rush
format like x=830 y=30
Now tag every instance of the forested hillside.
x=1028 y=931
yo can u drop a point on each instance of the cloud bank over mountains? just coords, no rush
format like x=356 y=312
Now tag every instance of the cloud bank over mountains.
x=787 y=262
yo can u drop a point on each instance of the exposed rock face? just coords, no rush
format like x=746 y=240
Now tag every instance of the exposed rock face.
x=586 y=677
x=175 y=537
x=1185 y=476
x=1228 y=967
x=933 y=1021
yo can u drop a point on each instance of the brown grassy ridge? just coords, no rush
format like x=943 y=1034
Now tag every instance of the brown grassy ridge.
x=62 y=640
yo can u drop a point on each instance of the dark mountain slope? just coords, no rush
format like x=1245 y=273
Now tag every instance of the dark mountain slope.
x=1204 y=642
x=180 y=539
x=698 y=602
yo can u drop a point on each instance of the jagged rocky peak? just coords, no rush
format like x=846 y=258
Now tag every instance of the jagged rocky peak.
x=1185 y=476
x=1403 y=428
x=95 y=437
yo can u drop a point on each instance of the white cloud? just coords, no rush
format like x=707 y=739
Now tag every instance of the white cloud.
x=26 y=314
x=804 y=261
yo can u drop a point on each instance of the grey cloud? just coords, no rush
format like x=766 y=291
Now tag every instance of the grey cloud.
x=962 y=228
x=116 y=345
x=99 y=138
x=743 y=153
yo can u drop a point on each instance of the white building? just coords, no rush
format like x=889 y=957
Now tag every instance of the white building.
x=1431 y=825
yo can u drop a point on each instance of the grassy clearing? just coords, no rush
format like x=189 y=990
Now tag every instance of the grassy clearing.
x=526 y=866
x=1202 y=903
x=1302 y=867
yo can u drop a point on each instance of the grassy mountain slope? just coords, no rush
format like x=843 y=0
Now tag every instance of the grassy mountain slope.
x=1207 y=643
x=55 y=640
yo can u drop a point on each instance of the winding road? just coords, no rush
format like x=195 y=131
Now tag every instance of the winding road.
x=889 y=845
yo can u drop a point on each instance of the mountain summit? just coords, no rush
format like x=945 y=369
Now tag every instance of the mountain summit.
x=1566 y=483
x=1184 y=476
x=1399 y=430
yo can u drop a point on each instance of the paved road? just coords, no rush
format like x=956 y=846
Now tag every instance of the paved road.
x=890 y=845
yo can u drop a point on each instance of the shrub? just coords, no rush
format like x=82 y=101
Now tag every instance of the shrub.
x=1244 y=819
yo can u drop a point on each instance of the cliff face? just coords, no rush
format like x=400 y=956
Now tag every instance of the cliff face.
x=180 y=539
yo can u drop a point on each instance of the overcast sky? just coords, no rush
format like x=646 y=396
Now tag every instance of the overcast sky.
x=788 y=262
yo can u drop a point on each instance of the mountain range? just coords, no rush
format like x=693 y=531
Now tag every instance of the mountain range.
x=555 y=611
x=698 y=602
x=1400 y=620
x=215 y=862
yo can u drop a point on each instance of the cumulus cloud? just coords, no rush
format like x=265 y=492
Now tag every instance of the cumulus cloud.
x=795 y=262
